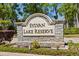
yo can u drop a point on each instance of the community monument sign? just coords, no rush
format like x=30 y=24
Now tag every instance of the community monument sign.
x=40 y=27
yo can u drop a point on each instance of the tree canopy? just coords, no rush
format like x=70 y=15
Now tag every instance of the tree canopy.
x=70 y=11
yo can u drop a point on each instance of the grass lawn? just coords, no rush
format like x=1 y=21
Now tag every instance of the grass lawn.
x=71 y=35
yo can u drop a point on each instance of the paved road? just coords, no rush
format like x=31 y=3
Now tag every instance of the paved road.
x=16 y=54
x=75 y=40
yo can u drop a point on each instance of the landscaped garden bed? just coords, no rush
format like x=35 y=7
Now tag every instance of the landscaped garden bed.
x=73 y=50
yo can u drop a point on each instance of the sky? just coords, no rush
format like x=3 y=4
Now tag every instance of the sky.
x=50 y=14
x=21 y=9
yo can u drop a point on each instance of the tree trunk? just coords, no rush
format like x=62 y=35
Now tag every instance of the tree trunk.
x=77 y=20
x=67 y=24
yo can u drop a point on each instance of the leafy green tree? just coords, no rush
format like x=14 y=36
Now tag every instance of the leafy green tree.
x=7 y=11
x=77 y=14
x=53 y=7
x=56 y=10
x=69 y=11
x=11 y=11
x=2 y=11
x=31 y=8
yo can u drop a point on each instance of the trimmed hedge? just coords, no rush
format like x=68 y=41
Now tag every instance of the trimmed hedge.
x=71 y=30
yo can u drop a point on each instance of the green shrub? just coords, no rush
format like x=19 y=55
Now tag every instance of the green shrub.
x=11 y=27
x=35 y=44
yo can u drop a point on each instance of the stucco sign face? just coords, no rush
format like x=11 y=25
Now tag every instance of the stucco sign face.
x=38 y=26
